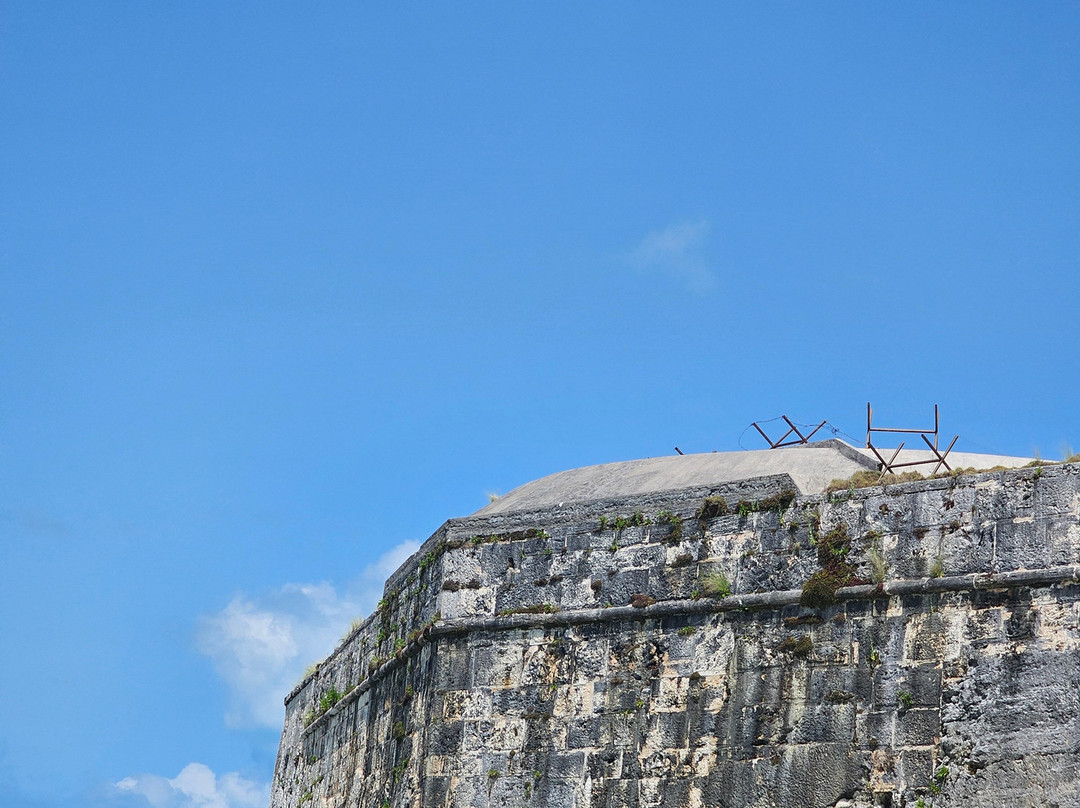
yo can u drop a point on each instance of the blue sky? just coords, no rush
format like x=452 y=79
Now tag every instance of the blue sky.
x=283 y=287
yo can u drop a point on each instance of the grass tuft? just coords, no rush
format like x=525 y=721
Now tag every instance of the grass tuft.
x=716 y=585
x=353 y=626
x=868 y=479
x=937 y=567
x=879 y=567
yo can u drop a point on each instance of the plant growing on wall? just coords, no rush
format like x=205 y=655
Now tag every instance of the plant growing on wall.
x=712 y=508
x=879 y=567
x=637 y=519
x=833 y=548
x=800 y=647
x=938 y=782
x=937 y=566
x=716 y=585
x=326 y=701
x=673 y=519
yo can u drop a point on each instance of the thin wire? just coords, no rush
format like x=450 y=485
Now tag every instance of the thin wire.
x=741 y=437
x=747 y=428
x=765 y=421
x=838 y=431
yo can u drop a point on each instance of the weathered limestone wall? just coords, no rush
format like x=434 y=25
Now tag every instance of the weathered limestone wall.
x=956 y=690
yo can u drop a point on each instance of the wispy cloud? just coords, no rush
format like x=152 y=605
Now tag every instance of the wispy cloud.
x=261 y=645
x=196 y=787
x=677 y=251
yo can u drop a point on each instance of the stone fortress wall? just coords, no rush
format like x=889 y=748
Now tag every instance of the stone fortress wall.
x=583 y=655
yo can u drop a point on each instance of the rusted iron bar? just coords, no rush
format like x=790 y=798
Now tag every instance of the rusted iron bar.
x=869 y=428
x=782 y=441
x=768 y=440
x=802 y=438
x=940 y=457
x=886 y=464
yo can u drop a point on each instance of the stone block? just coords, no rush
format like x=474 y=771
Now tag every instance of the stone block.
x=621 y=584
x=918 y=727
x=1020 y=543
x=821 y=723
x=967 y=550
x=926 y=637
x=832 y=683
x=1062 y=540
x=922 y=684
x=916 y=766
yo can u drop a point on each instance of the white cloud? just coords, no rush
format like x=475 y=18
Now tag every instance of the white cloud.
x=677 y=251
x=197 y=787
x=261 y=646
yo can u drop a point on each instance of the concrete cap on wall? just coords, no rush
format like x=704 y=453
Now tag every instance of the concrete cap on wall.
x=812 y=467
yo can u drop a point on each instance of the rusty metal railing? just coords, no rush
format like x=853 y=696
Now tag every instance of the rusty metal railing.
x=887 y=466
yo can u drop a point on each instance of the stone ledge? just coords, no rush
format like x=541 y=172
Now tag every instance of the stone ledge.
x=765 y=600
